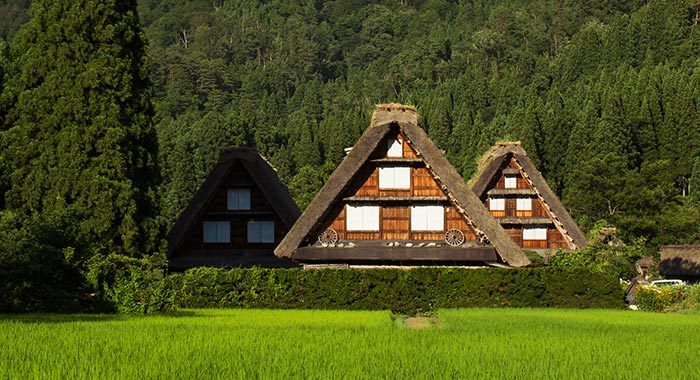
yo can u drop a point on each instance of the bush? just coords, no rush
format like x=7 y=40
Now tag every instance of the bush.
x=36 y=276
x=691 y=298
x=131 y=285
x=407 y=291
x=655 y=298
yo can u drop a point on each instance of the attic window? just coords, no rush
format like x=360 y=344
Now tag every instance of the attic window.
x=535 y=233
x=362 y=218
x=261 y=231
x=395 y=148
x=511 y=181
x=238 y=199
x=216 y=231
x=395 y=178
x=427 y=218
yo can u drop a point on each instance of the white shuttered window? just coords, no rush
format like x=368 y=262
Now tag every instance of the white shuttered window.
x=523 y=204
x=395 y=148
x=395 y=178
x=427 y=218
x=536 y=233
x=217 y=232
x=511 y=181
x=362 y=218
x=497 y=204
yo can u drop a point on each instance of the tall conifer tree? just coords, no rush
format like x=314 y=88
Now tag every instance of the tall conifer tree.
x=79 y=132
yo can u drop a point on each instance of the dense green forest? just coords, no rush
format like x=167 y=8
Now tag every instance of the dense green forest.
x=603 y=94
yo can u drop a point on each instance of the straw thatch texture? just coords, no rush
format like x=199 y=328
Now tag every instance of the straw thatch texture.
x=495 y=159
x=680 y=260
x=386 y=116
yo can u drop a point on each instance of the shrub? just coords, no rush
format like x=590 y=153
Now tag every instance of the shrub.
x=655 y=298
x=406 y=291
x=691 y=298
x=131 y=285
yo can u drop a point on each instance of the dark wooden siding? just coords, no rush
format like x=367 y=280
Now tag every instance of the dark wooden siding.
x=217 y=210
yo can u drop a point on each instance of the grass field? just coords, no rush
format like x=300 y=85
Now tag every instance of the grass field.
x=284 y=344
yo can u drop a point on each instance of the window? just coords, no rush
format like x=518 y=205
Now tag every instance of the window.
x=427 y=218
x=217 y=232
x=362 y=218
x=395 y=148
x=536 y=233
x=395 y=178
x=497 y=204
x=261 y=231
x=523 y=204
x=511 y=181
x=238 y=199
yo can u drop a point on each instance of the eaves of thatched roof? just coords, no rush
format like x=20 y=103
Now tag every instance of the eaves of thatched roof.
x=262 y=174
x=497 y=157
x=385 y=117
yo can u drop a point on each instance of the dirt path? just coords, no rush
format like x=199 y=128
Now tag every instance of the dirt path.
x=421 y=322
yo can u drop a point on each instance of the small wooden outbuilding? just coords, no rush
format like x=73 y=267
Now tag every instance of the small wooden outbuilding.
x=237 y=218
x=396 y=200
x=517 y=195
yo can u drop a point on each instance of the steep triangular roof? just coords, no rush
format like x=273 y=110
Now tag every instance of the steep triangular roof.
x=468 y=205
x=262 y=174
x=494 y=161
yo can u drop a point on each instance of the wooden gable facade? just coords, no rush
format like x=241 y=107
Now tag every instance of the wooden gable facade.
x=517 y=195
x=396 y=200
x=396 y=185
x=236 y=219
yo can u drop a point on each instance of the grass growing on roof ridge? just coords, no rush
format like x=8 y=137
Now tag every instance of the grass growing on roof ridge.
x=321 y=344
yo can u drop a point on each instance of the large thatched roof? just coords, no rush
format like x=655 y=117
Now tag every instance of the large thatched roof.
x=680 y=260
x=385 y=117
x=264 y=177
x=495 y=159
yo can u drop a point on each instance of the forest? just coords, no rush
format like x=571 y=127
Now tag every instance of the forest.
x=603 y=95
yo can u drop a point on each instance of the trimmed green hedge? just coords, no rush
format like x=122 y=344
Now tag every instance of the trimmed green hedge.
x=410 y=291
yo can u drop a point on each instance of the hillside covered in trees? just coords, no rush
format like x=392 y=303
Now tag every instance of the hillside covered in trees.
x=603 y=95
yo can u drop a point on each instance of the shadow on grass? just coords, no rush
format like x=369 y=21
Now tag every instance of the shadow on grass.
x=70 y=318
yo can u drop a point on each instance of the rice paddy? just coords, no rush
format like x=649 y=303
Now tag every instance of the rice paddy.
x=304 y=344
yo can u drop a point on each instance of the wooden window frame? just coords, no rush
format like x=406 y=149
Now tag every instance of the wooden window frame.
x=421 y=217
x=510 y=179
x=234 y=199
x=394 y=146
x=534 y=231
x=257 y=236
x=502 y=200
x=370 y=215
x=222 y=231
x=391 y=173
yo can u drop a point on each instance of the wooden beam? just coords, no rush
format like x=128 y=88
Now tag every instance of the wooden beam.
x=408 y=198
x=402 y=254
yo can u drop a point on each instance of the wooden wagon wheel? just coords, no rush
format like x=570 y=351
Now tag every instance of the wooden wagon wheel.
x=328 y=237
x=454 y=237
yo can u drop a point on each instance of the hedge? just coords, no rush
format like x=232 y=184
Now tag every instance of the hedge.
x=408 y=291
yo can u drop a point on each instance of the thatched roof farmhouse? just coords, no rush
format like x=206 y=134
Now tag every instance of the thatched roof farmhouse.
x=236 y=219
x=518 y=196
x=396 y=200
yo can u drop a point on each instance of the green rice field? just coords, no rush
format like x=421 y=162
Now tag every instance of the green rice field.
x=301 y=344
